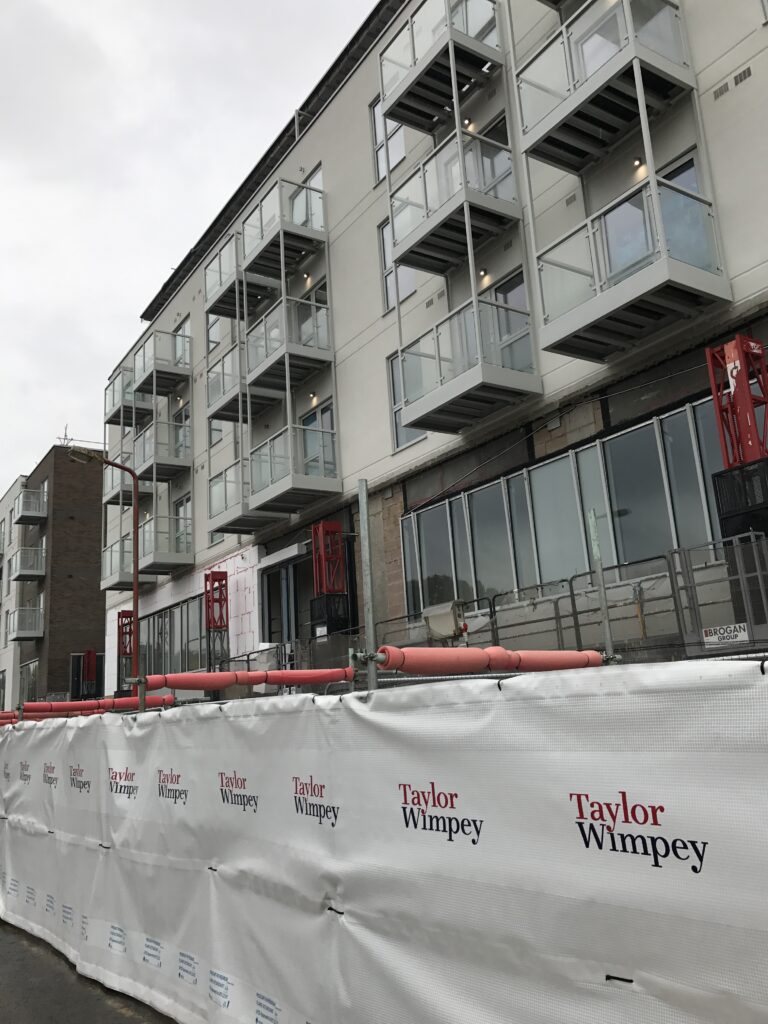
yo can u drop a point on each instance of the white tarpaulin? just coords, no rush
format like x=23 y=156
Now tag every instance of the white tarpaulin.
x=585 y=846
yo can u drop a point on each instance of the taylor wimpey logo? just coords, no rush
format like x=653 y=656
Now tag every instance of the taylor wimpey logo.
x=309 y=799
x=419 y=807
x=122 y=782
x=598 y=822
x=77 y=779
x=24 y=773
x=169 y=787
x=49 y=775
x=233 y=789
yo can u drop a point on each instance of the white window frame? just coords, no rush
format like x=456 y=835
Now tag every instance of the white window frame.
x=388 y=271
x=379 y=144
x=393 y=366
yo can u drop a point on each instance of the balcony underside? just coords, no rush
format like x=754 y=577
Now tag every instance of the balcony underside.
x=20 y=635
x=305 y=362
x=644 y=304
x=298 y=243
x=478 y=392
x=123 y=414
x=161 y=563
x=228 y=407
x=124 y=581
x=605 y=109
x=162 y=380
x=27 y=575
x=293 y=493
x=163 y=468
x=122 y=494
x=241 y=519
x=439 y=244
x=230 y=302
x=28 y=518
x=421 y=99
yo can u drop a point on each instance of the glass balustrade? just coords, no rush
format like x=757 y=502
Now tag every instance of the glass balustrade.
x=221 y=269
x=289 y=203
x=28 y=561
x=624 y=240
x=225 y=490
x=487 y=169
x=223 y=377
x=119 y=391
x=117 y=558
x=307 y=325
x=587 y=41
x=25 y=621
x=160 y=441
x=305 y=451
x=30 y=503
x=161 y=535
x=455 y=344
x=474 y=18
x=162 y=350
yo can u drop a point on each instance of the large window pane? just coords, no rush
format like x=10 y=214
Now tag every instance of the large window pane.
x=711 y=457
x=461 y=557
x=557 y=517
x=412 y=595
x=522 y=534
x=593 y=497
x=638 y=503
x=490 y=542
x=435 y=556
x=683 y=481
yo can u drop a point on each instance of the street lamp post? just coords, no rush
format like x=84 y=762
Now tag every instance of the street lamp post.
x=92 y=455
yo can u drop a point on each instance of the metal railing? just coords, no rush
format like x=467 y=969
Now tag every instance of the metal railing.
x=622 y=239
x=587 y=41
x=487 y=169
x=306 y=324
x=28 y=560
x=223 y=376
x=165 y=535
x=474 y=18
x=117 y=558
x=303 y=451
x=455 y=344
x=31 y=502
x=161 y=440
x=162 y=350
x=287 y=202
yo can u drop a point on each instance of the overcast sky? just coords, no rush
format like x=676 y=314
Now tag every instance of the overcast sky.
x=124 y=127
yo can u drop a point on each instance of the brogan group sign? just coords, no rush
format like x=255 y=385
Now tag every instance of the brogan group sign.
x=585 y=845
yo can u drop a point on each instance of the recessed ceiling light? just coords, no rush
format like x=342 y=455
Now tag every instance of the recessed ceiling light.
x=638 y=162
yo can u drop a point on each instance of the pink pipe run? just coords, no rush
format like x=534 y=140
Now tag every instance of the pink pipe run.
x=84 y=706
x=428 y=661
x=223 y=680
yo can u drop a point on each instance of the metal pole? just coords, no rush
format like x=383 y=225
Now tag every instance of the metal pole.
x=135 y=564
x=603 y=596
x=365 y=562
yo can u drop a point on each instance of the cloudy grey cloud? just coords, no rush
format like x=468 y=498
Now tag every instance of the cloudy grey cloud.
x=124 y=127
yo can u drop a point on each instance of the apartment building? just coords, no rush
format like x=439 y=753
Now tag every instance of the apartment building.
x=51 y=608
x=478 y=268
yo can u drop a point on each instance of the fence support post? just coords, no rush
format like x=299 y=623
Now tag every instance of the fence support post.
x=367 y=570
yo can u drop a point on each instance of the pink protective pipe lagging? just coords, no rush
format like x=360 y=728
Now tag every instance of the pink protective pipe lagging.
x=223 y=680
x=106 y=704
x=428 y=661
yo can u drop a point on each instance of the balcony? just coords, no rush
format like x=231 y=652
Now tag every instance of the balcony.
x=578 y=93
x=162 y=451
x=645 y=262
x=428 y=208
x=30 y=507
x=292 y=469
x=293 y=330
x=457 y=374
x=26 y=624
x=28 y=564
x=296 y=210
x=226 y=291
x=165 y=544
x=228 y=510
x=118 y=486
x=117 y=566
x=161 y=364
x=121 y=405
x=228 y=395
x=416 y=85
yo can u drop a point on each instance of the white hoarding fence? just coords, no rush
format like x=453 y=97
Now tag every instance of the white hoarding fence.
x=576 y=846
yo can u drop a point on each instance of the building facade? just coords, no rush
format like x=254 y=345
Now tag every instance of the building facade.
x=52 y=608
x=478 y=269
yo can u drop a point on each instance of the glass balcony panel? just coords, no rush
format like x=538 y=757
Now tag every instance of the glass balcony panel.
x=227 y=257
x=657 y=26
x=457 y=343
x=420 y=367
x=690 y=229
x=224 y=490
x=270 y=211
x=222 y=377
x=544 y=83
x=165 y=534
x=488 y=168
x=505 y=337
x=596 y=36
x=476 y=18
x=28 y=560
x=26 y=620
x=311 y=323
x=318 y=451
x=628 y=241
x=442 y=176
x=30 y=502
x=161 y=440
x=303 y=206
x=567 y=276
x=270 y=461
x=117 y=558
x=396 y=60
x=408 y=206
x=212 y=277
x=429 y=23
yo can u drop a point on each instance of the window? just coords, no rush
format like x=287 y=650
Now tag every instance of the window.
x=514 y=327
x=403 y=435
x=406 y=276
x=522 y=532
x=2 y=690
x=683 y=478
x=181 y=432
x=28 y=681
x=394 y=142
x=181 y=343
x=410 y=569
x=215 y=432
x=182 y=511
x=318 y=445
x=435 y=555
x=684 y=173
x=176 y=636
x=490 y=541
x=214 y=331
x=558 y=523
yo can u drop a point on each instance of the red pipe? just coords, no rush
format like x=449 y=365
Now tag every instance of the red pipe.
x=107 y=704
x=468 y=660
x=222 y=680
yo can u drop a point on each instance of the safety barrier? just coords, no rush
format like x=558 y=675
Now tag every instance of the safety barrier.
x=578 y=845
